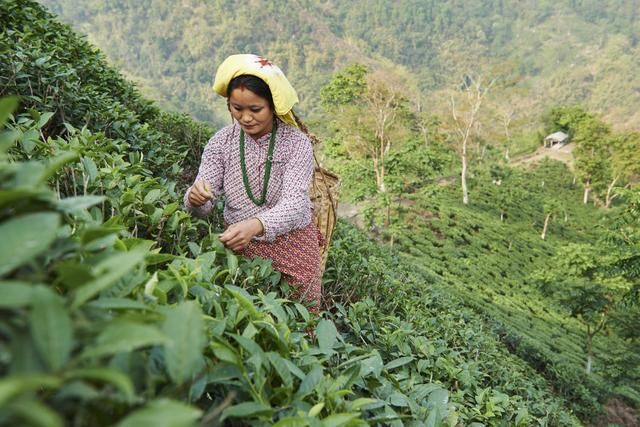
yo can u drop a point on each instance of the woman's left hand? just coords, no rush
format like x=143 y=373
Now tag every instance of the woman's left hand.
x=237 y=236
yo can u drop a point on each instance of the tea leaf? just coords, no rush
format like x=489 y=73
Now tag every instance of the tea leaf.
x=35 y=413
x=8 y=105
x=123 y=336
x=315 y=409
x=245 y=300
x=281 y=368
x=118 y=304
x=15 y=293
x=44 y=119
x=152 y=196
x=361 y=403
x=25 y=237
x=373 y=365
x=232 y=263
x=337 y=420
x=16 y=385
x=184 y=326
x=401 y=361
x=73 y=204
x=327 y=334
x=113 y=376
x=246 y=409
x=51 y=327
x=162 y=413
x=118 y=265
x=310 y=381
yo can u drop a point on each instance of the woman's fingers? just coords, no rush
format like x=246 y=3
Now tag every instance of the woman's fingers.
x=200 y=193
x=203 y=189
x=235 y=237
x=195 y=198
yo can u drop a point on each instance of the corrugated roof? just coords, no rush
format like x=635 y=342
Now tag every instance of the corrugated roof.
x=557 y=136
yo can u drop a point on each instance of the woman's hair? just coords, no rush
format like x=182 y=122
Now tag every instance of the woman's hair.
x=254 y=84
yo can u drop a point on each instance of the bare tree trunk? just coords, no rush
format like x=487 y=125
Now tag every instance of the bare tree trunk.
x=378 y=173
x=587 y=188
x=609 y=198
x=463 y=178
x=506 y=121
x=546 y=225
x=465 y=123
x=589 y=349
x=382 y=187
x=589 y=340
x=425 y=134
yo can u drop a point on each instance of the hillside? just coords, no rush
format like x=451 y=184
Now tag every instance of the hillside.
x=121 y=307
x=562 y=52
x=118 y=306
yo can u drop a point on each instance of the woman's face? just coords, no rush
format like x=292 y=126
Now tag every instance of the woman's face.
x=252 y=112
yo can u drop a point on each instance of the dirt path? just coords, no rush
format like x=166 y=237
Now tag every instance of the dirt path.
x=563 y=154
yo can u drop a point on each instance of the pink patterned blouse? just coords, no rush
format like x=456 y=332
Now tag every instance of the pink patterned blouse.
x=287 y=206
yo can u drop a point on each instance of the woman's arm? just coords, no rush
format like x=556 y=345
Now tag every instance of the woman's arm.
x=211 y=173
x=292 y=210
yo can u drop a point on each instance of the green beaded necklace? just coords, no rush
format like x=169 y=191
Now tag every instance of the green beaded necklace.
x=267 y=169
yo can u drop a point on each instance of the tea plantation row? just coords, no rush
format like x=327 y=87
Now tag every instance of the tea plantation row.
x=119 y=308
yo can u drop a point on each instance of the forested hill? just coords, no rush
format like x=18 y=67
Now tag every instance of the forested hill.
x=558 y=52
x=518 y=307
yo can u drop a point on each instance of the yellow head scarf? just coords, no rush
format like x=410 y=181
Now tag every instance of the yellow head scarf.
x=284 y=95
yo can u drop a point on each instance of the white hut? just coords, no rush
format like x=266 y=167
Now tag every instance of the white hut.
x=556 y=139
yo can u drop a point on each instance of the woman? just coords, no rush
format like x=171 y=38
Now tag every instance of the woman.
x=263 y=164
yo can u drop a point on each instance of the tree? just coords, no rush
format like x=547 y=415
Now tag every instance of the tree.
x=511 y=106
x=591 y=137
x=622 y=244
x=577 y=282
x=429 y=127
x=625 y=163
x=368 y=111
x=345 y=87
x=551 y=208
x=465 y=104
x=600 y=284
x=591 y=154
x=508 y=192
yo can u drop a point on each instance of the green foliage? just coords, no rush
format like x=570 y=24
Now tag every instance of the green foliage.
x=127 y=310
x=346 y=87
x=592 y=61
x=603 y=158
x=62 y=75
x=400 y=308
x=488 y=262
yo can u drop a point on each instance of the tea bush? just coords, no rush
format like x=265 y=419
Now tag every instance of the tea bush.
x=120 y=308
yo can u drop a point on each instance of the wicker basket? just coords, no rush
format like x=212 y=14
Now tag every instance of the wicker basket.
x=324 y=195
x=323 y=192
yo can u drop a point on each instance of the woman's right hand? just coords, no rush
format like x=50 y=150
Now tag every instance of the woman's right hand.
x=200 y=193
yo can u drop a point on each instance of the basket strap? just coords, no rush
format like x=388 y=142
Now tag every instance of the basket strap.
x=324 y=179
x=314 y=140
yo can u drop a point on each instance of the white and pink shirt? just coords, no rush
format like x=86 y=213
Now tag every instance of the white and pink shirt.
x=287 y=206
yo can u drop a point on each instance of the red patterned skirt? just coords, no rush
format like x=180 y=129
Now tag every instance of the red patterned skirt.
x=296 y=255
